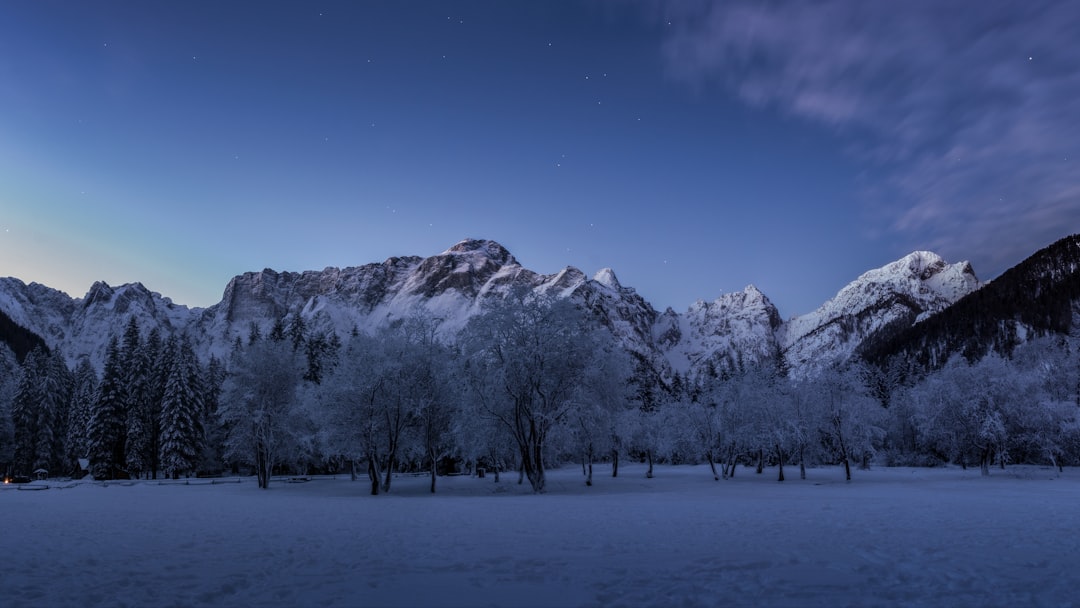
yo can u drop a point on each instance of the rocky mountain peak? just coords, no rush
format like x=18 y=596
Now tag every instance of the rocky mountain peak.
x=490 y=249
x=607 y=278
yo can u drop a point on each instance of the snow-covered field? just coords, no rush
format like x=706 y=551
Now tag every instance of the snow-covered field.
x=891 y=537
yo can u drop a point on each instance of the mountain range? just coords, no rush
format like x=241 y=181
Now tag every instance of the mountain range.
x=734 y=329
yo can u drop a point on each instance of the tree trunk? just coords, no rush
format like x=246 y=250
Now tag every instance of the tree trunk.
x=615 y=462
x=843 y=451
x=431 y=457
x=521 y=472
x=984 y=462
x=391 y=463
x=352 y=469
x=648 y=473
x=712 y=465
x=760 y=461
x=780 y=457
x=588 y=476
x=802 y=462
x=373 y=475
x=263 y=466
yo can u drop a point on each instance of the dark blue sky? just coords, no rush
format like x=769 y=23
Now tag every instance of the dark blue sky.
x=694 y=147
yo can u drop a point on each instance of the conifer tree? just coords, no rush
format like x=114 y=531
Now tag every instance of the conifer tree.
x=55 y=387
x=277 y=331
x=297 y=329
x=137 y=387
x=24 y=406
x=180 y=412
x=106 y=429
x=83 y=394
x=161 y=353
x=213 y=432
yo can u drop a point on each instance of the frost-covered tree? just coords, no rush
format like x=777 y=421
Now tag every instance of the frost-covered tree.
x=527 y=356
x=213 y=431
x=349 y=407
x=850 y=418
x=137 y=369
x=24 y=410
x=159 y=353
x=604 y=392
x=39 y=412
x=53 y=413
x=181 y=414
x=9 y=376
x=391 y=396
x=260 y=409
x=432 y=389
x=84 y=393
x=804 y=421
x=107 y=425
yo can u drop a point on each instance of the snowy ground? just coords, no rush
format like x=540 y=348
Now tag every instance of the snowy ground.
x=891 y=537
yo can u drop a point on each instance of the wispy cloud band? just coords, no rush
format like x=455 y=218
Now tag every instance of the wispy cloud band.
x=970 y=109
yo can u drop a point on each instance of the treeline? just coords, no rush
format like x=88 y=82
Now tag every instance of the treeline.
x=528 y=384
x=19 y=339
x=1039 y=296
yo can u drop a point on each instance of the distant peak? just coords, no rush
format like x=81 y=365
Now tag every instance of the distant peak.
x=488 y=248
x=923 y=264
x=607 y=278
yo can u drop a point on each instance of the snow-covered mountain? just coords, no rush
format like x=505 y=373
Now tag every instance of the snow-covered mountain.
x=897 y=294
x=734 y=329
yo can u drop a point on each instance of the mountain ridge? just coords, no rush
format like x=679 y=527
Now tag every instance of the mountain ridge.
x=732 y=330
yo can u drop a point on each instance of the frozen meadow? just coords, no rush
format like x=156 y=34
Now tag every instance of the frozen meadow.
x=891 y=537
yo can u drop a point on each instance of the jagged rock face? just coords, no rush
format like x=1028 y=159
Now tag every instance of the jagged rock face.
x=451 y=286
x=83 y=326
x=734 y=330
x=897 y=294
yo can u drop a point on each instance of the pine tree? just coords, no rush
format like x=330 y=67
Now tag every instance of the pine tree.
x=297 y=329
x=55 y=388
x=106 y=429
x=213 y=432
x=84 y=392
x=277 y=331
x=316 y=350
x=24 y=406
x=140 y=420
x=254 y=334
x=161 y=353
x=180 y=412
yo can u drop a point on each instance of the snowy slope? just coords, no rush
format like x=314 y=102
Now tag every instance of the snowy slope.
x=892 y=537
x=451 y=286
x=732 y=331
x=902 y=292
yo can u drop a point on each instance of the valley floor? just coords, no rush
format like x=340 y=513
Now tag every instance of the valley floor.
x=891 y=537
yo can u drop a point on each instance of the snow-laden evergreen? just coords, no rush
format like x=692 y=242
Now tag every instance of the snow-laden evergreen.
x=83 y=396
x=106 y=431
x=181 y=414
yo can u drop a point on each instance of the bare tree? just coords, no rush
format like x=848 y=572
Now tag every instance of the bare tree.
x=260 y=408
x=850 y=420
x=527 y=356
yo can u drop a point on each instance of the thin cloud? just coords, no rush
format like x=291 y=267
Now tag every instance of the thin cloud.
x=971 y=110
